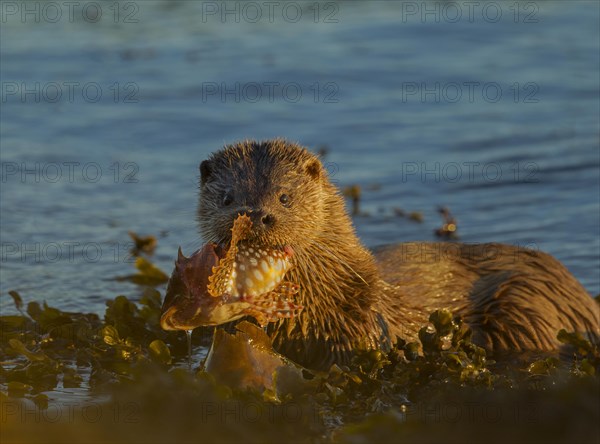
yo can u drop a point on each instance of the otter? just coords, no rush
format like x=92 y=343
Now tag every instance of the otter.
x=513 y=299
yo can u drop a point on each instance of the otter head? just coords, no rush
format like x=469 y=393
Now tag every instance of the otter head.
x=285 y=191
x=276 y=183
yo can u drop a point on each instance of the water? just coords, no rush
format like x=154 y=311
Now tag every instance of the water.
x=528 y=162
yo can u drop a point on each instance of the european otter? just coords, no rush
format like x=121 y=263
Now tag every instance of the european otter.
x=513 y=299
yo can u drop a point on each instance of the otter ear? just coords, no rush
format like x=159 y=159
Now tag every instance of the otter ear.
x=313 y=168
x=205 y=171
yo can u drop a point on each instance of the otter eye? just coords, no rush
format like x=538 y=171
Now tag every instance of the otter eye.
x=285 y=200
x=227 y=199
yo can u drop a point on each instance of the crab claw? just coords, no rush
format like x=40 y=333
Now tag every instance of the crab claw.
x=187 y=300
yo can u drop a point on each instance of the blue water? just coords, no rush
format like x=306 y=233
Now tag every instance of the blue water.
x=522 y=168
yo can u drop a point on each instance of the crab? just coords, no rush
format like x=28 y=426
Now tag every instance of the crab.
x=214 y=286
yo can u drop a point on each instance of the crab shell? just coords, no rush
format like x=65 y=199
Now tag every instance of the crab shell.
x=212 y=287
x=253 y=273
x=256 y=271
x=187 y=304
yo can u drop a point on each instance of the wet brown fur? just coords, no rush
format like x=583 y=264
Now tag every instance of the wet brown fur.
x=514 y=299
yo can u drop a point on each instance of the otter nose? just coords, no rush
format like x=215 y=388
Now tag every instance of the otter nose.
x=268 y=220
x=261 y=219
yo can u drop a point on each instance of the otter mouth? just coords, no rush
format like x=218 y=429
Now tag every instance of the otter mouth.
x=247 y=268
x=219 y=284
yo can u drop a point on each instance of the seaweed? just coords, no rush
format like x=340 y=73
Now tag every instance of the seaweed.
x=441 y=388
x=142 y=244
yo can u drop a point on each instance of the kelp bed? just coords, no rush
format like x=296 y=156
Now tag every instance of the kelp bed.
x=133 y=386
